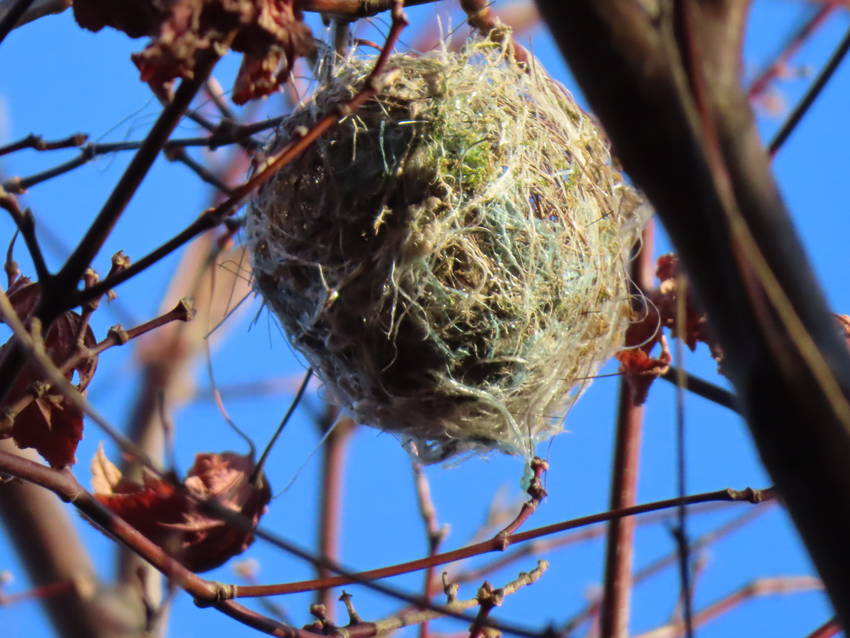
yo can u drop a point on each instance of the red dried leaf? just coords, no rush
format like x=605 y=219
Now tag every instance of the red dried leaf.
x=170 y=518
x=270 y=33
x=640 y=370
x=50 y=424
x=666 y=300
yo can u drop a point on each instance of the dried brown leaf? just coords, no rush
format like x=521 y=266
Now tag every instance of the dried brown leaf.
x=270 y=33
x=51 y=423
x=174 y=520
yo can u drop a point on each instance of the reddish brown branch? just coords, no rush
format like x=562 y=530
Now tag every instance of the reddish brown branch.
x=434 y=534
x=64 y=485
x=760 y=587
x=545 y=546
x=49 y=548
x=827 y=630
x=536 y=494
x=796 y=116
x=206 y=593
x=798 y=38
x=332 y=484
x=498 y=544
x=616 y=598
x=480 y=17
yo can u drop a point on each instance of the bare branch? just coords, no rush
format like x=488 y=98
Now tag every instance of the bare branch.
x=37 y=143
x=52 y=553
x=495 y=544
x=214 y=216
x=616 y=599
x=760 y=587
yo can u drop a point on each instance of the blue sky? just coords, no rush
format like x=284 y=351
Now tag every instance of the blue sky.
x=59 y=80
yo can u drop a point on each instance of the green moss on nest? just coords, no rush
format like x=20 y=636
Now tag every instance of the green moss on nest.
x=451 y=259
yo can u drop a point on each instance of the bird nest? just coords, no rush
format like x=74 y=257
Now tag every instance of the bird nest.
x=451 y=259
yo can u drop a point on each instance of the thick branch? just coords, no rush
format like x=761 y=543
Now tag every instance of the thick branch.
x=671 y=101
x=46 y=542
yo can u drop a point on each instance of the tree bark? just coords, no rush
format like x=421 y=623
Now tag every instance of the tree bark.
x=665 y=83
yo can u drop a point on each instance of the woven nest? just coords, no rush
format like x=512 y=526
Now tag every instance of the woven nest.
x=450 y=259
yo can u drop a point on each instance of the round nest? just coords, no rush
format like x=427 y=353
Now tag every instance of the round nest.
x=452 y=258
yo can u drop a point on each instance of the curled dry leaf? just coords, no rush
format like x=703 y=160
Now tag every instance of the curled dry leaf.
x=639 y=368
x=270 y=33
x=666 y=300
x=50 y=423
x=167 y=514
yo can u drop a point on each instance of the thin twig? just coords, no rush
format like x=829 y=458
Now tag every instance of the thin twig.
x=36 y=142
x=25 y=222
x=827 y=630
x=811 y=95
x=59 y=290
x=407 y=618
x=546 y=546
x=480 y=17
x=292 y=406
x=102 y=226
x=33 y=346
x=797 y=39
x=117 y=336
x=760 y=587
x=702 y=388
x=224 y=135
x=214 y=216
x=680 y=532
x=19 y=185
x=216 y=94
x=178 y=154
x=536 y=494
x=337 y=432
x=434 y=534
x=495 y=544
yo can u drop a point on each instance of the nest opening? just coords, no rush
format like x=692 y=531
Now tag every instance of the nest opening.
x=452 y=258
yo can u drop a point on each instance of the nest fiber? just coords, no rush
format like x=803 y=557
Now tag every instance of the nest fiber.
x=451 y=258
